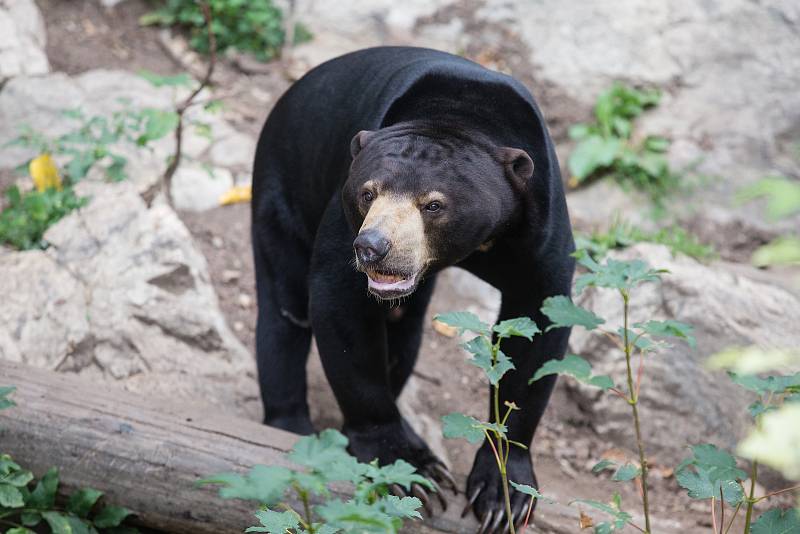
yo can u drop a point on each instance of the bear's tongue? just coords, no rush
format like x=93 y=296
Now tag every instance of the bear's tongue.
x=383 y=282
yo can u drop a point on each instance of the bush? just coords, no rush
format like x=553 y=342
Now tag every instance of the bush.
x=255 y=26
x=29 y=215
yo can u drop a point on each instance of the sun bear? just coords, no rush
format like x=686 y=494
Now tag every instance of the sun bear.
x=373 y=172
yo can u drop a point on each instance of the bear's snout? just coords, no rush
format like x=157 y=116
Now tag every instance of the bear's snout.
x=371 y=246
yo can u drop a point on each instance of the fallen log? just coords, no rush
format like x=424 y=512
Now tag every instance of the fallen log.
x=148 y=454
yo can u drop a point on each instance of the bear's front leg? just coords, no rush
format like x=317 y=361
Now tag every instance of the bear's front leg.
x=484 y=486
x=350 y=331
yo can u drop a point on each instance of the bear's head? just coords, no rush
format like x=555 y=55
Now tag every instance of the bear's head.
x=421 y=197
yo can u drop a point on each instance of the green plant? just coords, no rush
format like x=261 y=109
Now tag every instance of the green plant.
x=250 y=26
x=783 y=200
x=28 y=215
x=608 y=147
x=712 y=474
x=28 y=506
x=632 y=339
x=326 y=461
x=486 y=354
x=622 y=235
x=92 y=141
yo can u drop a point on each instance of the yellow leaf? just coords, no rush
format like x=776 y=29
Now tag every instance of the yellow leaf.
x=44 y=173
x=444 y=329
x=238 y=193
x=585 y=521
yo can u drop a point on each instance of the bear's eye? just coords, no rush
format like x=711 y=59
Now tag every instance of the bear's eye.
x=433 y=206
x=367 y=196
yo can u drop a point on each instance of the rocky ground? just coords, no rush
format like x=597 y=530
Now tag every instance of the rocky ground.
x=124 y=295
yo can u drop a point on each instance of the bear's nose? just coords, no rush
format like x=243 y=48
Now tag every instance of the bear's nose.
x=371 y=246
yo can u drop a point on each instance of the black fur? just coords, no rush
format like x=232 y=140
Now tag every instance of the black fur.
x=439 y=120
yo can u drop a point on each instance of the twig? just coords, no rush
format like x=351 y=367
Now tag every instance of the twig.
x=768 y=495
x=713 y=515
x=750 y=500
x=166 y=180
x=735 y=512
x=721 y=510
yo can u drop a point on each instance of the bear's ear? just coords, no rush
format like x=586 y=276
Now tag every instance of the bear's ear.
x=518 y=166
x=360 y=141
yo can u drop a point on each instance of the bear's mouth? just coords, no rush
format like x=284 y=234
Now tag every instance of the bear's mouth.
x=390 y=285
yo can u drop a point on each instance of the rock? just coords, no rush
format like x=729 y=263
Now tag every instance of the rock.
x=197 y=189
x=22 y=39
x=40 y=102
x=682 y=401
x=123 y=295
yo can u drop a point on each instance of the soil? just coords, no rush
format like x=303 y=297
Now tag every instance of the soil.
x=84 y=35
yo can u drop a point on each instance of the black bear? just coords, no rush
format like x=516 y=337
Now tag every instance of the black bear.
x=373 y=172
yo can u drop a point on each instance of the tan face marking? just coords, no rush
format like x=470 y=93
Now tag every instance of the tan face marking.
x=399 y=219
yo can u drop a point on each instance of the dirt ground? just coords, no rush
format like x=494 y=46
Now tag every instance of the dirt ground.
x=83 y=35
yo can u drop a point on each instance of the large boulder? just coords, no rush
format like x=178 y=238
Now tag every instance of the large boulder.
x=122 y=294
x=683 y=402
x=22 y=39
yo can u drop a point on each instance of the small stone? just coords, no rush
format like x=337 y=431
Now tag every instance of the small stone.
x=217 y=242
x=238 y=326
x=245 y=301
x=231 y=275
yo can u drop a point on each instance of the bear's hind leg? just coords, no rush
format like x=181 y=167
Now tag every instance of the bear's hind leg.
x=283 y=335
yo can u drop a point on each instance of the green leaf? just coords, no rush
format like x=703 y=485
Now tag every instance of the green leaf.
x=354 y=516
x=111 y=516
x=265 y=484
x=80 y=526
x=81 y=502
x=58 y=522
x=709 y=471
x=602 y=465
x=699 y=486
x=10 y=497
x=530 y=490
x=669 y=328
x=521 y=327
x=720 y=464
x=777 y=521
x=782 y=195
x=179 y=80
x=5 y=391
x=405 y=508
x=320 y=451
x=30 y=519
x=613 y=509
x=576 y=367
x=20 y=530
x=768 y=384
x=458 y=425
x=43 y=496
x=481 y=349
x=592 y=154
x=275 y=522
x=157 y=124
x=400 y=472
x=784 y=250
x=17 y=479
x=622 y=275
x=464 y=321
x=563 y=313
x=626 y=472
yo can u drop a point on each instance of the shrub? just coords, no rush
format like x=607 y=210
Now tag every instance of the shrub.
x=255 y=26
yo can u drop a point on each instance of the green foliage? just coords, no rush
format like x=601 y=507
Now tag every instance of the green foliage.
x=458 y=425
x=619 y=518
x=92 y=142
x=614 y=274
x=464 y=321
x=530 y=490
x=777 y=521
x=606 y=146
x=326 y=460
x=5 y=392
x=577 y=368
x=36 y=508
x=562 y=312
x=255 y=26
x=28 y=215
x=622 y=235
x=783 y=200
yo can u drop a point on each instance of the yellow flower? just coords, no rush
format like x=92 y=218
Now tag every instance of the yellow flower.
x=44 y=173
x=238 y=193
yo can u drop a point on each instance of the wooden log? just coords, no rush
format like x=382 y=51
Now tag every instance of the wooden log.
x=148 y=454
